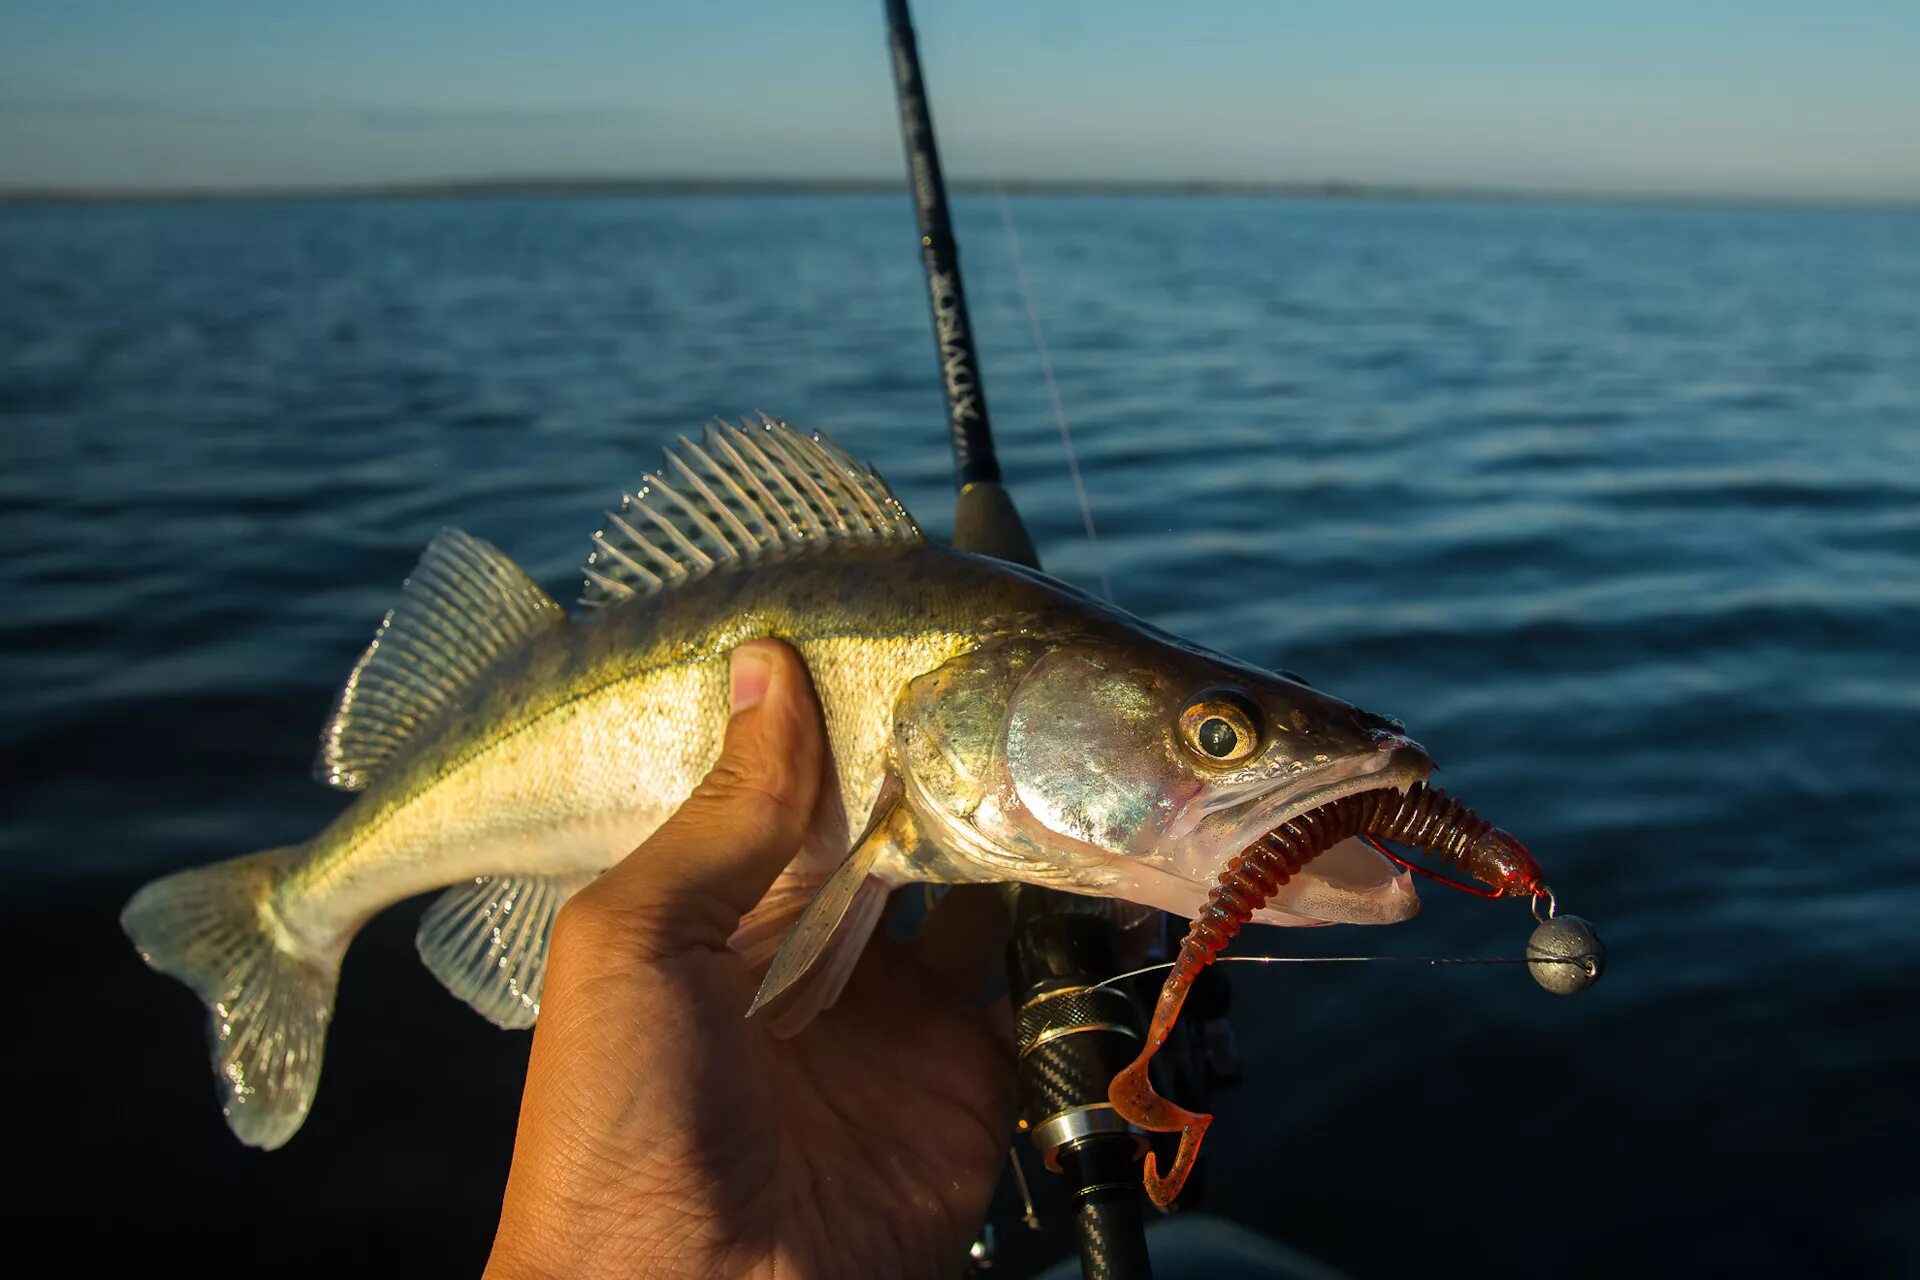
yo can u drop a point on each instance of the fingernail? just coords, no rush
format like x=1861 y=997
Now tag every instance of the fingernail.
x=751 y=673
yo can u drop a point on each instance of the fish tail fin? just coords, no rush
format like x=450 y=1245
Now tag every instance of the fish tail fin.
x=270 y=998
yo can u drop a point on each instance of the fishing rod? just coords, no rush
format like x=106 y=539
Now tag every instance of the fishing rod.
x=1073 y=1035
x=984 y=517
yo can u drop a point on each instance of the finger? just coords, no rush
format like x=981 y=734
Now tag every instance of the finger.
x=964 y=938
x=1000 y=1019
x=716 y=856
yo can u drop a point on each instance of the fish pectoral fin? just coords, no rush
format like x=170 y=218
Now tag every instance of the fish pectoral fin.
x=820 y=952
x=465 y=606
x=758 y=936
x=829 y=962
x=487 y=942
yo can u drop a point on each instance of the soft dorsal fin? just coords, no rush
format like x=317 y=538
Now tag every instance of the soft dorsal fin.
x=463 y=607
x=743 y=494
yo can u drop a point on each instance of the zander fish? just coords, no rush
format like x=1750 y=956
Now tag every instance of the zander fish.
x=986 y=723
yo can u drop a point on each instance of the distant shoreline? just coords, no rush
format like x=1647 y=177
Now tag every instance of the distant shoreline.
x=589 y=188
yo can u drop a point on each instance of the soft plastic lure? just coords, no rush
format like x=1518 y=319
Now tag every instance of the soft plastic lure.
x=1427 y=819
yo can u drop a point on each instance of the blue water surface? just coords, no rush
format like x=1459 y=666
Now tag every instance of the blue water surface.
x=1617 y=508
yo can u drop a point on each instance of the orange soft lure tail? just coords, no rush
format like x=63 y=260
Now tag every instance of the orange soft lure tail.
x=1426 y=819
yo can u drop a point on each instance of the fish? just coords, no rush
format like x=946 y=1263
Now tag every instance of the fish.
x=986 y=724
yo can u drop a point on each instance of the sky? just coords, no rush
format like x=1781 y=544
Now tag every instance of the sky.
x=1798 y=98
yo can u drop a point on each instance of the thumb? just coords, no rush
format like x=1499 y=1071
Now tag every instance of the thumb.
x=690 y=882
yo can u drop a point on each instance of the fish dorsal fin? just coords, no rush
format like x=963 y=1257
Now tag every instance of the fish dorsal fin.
x=463 y=607
x=743 y=494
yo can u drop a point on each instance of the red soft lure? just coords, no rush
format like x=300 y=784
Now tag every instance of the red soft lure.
x=1429 y=820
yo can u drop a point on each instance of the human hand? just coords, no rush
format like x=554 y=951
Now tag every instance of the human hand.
x=664 y=1134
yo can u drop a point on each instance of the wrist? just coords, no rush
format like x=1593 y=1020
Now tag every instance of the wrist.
x=563 y=1245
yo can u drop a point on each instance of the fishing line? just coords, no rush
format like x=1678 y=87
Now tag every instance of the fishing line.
x=1053 y=390
x=1582 y=960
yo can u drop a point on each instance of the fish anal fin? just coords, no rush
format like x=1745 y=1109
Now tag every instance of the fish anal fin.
x=486 y=941
x=464 y=606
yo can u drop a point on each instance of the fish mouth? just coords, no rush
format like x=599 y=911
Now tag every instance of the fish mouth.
x=1395 y=767
x=1349 y=883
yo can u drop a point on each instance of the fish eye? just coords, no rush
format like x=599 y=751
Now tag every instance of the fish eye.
x=1221 y=727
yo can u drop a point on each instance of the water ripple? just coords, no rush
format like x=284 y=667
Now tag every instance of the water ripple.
x=1617 y=508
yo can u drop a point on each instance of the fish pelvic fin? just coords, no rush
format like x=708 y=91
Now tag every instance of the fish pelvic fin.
x=486 y=941
x=270 y=1000
x=464 y=607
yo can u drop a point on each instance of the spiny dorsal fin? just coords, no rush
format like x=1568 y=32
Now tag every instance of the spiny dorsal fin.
x=743 y=494
x=463 y=607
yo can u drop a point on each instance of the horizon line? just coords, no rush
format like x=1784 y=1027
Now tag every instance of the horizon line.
x=586 y=187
